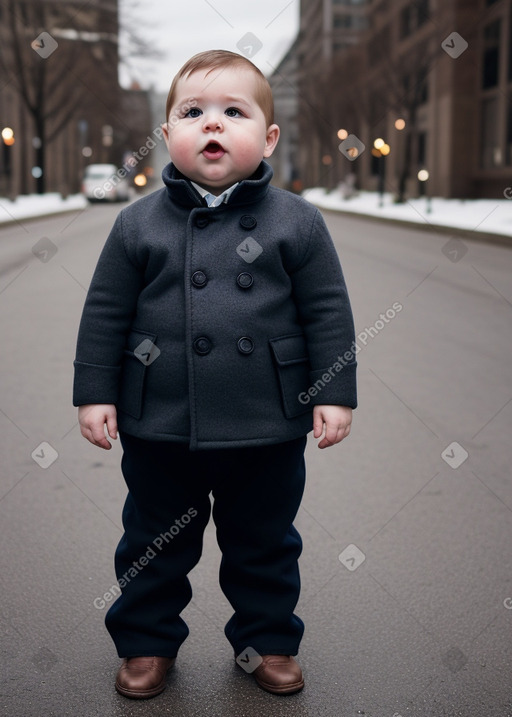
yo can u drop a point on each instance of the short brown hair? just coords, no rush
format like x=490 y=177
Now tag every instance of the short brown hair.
x=220 y=59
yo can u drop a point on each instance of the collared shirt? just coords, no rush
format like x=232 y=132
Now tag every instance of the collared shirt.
x=211 y=199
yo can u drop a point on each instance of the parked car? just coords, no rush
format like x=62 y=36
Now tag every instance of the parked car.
x=105 y=183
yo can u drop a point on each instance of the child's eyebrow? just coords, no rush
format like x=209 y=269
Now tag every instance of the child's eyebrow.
x=199 y=99
x=236 y=100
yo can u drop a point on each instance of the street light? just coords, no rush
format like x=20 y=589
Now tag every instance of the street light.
x=380 y=150
x=423 y=176
x=8 y=136
x=8 y=141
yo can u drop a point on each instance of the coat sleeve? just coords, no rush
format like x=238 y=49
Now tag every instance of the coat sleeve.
x=326 y=316
x=105 y=323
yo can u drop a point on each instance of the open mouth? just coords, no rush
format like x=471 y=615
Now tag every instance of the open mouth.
x=213 y=150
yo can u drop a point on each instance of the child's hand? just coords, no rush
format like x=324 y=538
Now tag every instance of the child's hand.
x=92 y=419
x=337 y=421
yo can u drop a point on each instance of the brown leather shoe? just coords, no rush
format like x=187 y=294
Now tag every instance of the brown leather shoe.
x=279 y=674
x=143 y=677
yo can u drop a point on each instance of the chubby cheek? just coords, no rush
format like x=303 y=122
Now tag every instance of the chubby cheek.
x=248 y=151
x=181 y=148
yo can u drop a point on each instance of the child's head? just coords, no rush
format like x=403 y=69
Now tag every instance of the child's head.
x=220 y=121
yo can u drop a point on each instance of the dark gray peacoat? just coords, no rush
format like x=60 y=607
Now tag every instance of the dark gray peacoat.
x=217 y=326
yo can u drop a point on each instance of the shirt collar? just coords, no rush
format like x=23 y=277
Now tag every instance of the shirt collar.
x=219 y=199
x=248 y=191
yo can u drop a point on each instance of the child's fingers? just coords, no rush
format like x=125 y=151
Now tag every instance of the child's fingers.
x=334 y=434
x=112 y=425
x=95 y=434
x=318 y=422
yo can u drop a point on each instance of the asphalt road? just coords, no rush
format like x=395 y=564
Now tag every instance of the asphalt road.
x=407 y=525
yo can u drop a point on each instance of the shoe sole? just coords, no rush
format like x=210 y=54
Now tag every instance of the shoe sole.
x=142 y=695
x=284 y=690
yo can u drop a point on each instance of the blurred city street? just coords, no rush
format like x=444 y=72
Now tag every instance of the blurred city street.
x=407 y=525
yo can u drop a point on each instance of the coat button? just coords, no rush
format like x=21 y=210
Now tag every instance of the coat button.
x=245 y=345
x=248 y=222
x=244 y=280
x=202 y=345
x=202 y=221
x=199 y=279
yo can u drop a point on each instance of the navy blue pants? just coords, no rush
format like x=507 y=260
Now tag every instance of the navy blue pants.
x=256 y=495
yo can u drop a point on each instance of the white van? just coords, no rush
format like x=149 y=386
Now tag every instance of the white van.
x=102 y=183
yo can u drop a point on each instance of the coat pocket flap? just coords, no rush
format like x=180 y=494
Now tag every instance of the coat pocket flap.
x=289 y=349
x=138 y=354
x=136 y=339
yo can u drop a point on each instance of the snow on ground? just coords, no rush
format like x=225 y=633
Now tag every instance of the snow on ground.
x=493 y=216
x=37 y=205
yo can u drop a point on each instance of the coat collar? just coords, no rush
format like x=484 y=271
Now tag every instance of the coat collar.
x=249 y=190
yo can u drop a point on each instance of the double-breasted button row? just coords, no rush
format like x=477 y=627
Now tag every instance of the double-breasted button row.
x=199 y=279
x=244 y=279
x=245 y=345
x=201 y=221
x=202 y=345
x=246 y=222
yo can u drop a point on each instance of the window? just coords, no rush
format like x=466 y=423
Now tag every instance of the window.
x=413 y=16
x=510 y=50
x=491 y=56
x=349 y=22
x=491 y=153
x=422 y=149
x=509 y=131
x=379 y=46
x=344 y=21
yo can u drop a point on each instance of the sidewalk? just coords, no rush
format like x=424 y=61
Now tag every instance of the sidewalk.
x=32 y=206
x=482 y=219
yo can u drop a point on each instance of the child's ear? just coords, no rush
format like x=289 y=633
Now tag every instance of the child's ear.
x=272 y=137
x=165 y=130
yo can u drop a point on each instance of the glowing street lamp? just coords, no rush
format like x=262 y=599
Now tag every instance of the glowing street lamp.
x=399 y=124
x=380 y=150
x=423 y=176
x=342 y=134
x=8 y=140
x=8 y=136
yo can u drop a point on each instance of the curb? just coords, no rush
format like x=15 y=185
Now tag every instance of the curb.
x=470 y=234
x=35 y=217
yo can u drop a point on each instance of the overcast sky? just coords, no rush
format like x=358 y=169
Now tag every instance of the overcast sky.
x=263 y=30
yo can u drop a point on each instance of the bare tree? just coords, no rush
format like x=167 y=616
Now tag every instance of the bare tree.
x=61 y=57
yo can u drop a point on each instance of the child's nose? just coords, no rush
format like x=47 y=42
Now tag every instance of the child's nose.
x=212 y=122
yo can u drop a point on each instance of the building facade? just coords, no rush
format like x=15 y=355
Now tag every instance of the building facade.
x=431 y=79
x=61 y=106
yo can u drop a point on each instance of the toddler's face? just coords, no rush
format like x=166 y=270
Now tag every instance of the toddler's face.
x=223 y=138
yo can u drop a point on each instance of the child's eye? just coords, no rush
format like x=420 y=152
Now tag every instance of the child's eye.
x=233 y=112
x=194 y=112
